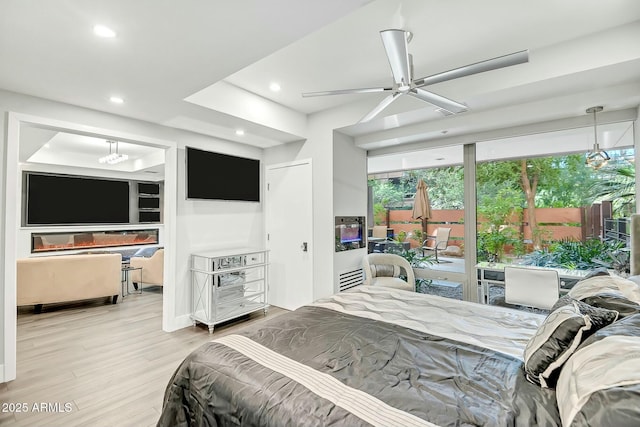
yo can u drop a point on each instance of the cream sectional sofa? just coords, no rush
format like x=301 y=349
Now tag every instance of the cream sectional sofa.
x=63 y=278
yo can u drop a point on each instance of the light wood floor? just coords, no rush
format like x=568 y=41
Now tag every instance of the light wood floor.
x=110 y=363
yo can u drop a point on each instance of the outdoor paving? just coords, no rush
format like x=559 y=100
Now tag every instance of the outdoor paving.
x=454 y=290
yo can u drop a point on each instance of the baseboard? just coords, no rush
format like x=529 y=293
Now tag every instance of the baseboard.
x=180 y=322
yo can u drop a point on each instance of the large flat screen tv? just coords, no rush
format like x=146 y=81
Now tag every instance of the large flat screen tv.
x=67 y=199
x=219 y=176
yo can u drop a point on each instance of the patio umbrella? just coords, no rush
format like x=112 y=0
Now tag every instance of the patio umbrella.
x=421 y=205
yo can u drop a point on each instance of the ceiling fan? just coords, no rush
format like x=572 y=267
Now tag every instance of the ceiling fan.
x=396 y=46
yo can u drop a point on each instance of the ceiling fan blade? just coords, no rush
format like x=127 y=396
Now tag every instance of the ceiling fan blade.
x=395 y=44
x=479 y=67
x=438 y=100
x=381 y=106
x=347 y=91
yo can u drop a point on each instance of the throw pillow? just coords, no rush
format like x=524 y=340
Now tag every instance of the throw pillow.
x=559 y=336
x=612 y=284
x=145 y=252
x=384 y=270
x=600 y=383
x=612 y=301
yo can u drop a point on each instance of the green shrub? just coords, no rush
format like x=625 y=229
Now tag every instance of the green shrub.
x=573 y=254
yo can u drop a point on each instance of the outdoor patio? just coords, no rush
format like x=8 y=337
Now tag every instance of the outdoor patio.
x=454 y=290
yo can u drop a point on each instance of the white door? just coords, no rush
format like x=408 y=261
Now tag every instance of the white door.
x=289 y=229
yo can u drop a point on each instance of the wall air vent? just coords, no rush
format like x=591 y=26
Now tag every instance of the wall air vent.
x=349 y=279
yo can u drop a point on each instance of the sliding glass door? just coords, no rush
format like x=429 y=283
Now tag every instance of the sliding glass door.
x=525 y=200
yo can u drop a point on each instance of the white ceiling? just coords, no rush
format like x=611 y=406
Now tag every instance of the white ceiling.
x=43 y=146
x=222 y=56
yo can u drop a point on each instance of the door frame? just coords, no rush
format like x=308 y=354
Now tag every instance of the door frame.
x=8 y=368
x=309 y=162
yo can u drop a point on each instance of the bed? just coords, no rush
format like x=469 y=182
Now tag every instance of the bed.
x=383 y=357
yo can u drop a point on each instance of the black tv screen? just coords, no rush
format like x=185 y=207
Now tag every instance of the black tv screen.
x=66 y=199
x=221 y=176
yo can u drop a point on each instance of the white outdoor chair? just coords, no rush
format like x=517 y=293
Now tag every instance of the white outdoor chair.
x=533 y=287
x=440 y=241
x=383 y=269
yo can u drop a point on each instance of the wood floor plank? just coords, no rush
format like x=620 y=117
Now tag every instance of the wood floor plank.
x=109 y=362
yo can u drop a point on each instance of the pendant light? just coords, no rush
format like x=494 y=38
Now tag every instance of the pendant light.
x=597 y=157
x=114 y=156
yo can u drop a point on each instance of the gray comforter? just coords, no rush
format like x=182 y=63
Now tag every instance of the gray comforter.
x=317 y=366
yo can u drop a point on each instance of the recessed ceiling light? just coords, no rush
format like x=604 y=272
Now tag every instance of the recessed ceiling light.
x=47 y=145
x=239 y=132
x=116 y=100
x=102 y=31
x=275 y=87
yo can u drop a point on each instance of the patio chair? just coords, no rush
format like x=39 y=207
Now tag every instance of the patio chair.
x=440 y=241
x=532 y=287
x=379 y=232
x=385 y=270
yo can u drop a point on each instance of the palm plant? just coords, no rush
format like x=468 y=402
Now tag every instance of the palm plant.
x=617 y=184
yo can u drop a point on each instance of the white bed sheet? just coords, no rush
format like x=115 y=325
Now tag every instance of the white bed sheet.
x=498 y=328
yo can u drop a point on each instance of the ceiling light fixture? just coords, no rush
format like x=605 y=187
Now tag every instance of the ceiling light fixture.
x=114 y=156
x=275 y=87
x=103 y=31
x=116 y=100
x=597 y=157
x=239 y=132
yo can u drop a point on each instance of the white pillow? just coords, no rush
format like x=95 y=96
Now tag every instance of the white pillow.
x=609 y=370
x=610 y=284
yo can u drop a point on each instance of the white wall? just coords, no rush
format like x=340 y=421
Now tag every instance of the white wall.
x=349 y=197
x=204 y=224
x=319 y=147
x=198 y=224
x=3 y=168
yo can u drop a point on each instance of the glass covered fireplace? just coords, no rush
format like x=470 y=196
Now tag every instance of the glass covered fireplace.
x=62 y=241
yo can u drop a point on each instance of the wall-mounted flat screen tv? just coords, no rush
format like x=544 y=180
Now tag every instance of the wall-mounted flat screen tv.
x=69 y=199
x=219 y=176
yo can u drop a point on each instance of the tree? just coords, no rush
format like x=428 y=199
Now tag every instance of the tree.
x=550 y=176
x=385 y=194
x=571 y=189
x=497 y=229
x=445 y=185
